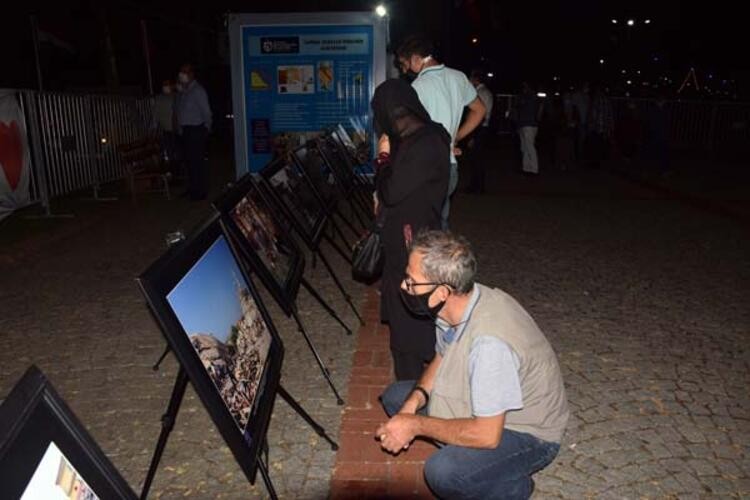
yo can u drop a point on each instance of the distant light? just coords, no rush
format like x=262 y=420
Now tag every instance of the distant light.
x=629 y=82
x=229 y=116
x=381 y=11
x=541 y=94
x=623 y=72
x=614 y=21
x=631 y=22
x=557 y=93
x=104 y=140
x=555 y=78
x=490 y=75
x=710 y=76
x=475 y=40
x=601 y=61
x=656 y=59
x=647 y=21
x=638 y=71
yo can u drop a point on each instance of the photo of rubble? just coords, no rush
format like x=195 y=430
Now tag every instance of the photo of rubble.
x=256 y=224
x=297 y=195
x=221 y=318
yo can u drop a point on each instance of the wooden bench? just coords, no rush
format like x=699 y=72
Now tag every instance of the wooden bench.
x=145 y=169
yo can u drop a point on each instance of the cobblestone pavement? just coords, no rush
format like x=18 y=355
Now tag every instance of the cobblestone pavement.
x=70 y=304
x=645 y=299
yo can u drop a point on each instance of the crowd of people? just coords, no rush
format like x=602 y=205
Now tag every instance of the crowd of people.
x=474 y=373
x=580 y=128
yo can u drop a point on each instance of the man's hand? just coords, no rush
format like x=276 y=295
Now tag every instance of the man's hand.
x=384 y=144
x=375 y=203
x=396 y=434
x=457 y=151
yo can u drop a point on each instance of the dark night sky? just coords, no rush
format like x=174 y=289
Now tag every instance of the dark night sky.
x=518 y=40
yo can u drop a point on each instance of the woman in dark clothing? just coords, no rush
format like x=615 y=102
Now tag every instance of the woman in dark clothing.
x=411 y=186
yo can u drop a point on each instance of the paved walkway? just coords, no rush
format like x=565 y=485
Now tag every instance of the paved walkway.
x=645 y=298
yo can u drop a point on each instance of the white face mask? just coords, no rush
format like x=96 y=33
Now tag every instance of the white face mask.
x=183 y=77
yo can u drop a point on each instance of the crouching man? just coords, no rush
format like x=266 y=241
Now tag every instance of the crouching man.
x=492 y=398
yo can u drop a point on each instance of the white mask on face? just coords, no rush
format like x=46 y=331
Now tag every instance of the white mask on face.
x=183 y=77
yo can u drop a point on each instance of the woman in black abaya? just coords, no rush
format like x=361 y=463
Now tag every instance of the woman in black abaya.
x=412 y=182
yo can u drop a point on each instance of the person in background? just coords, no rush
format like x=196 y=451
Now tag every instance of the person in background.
x=194 y=122
x=580 y=101
x=481 y=135
x=164 y=116
x=528 y=113
x=561 y=133
x=412 y=179
x=444 y=93
x=601 y=125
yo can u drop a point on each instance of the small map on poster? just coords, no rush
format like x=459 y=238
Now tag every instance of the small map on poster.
x=296 y=79
x=325 y=76
x=259 y=79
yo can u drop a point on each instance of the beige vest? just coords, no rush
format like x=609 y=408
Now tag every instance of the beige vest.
x=545 y=407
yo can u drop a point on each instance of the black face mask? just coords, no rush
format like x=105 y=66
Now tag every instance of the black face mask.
x=420 y=304
x=409 y=76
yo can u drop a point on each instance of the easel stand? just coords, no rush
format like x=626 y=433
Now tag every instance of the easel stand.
x=311 y=290
x=324 y=260
x=169 y=417
x=323 y=368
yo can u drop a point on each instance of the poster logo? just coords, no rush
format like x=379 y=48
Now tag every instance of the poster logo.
x=279 y=45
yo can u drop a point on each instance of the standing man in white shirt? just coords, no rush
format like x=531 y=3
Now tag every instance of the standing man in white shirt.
x=444 y=92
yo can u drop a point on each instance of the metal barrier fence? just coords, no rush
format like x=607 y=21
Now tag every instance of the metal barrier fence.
x=74 y=139
x=711 y=126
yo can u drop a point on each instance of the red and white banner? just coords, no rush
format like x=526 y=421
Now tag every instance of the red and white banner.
x=15 y=160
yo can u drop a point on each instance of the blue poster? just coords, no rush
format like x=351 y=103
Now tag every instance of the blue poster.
x=300 y=80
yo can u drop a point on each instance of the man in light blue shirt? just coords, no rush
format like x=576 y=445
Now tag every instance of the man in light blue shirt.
x=444 y=92
x=194 y=123
x=492 y=398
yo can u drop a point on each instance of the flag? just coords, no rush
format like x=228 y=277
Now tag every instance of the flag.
x=15 y=163
x=47 y=35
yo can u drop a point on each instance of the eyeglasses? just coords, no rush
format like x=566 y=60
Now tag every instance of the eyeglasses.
x=410 y=284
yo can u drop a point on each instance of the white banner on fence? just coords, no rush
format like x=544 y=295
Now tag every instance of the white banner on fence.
x=15 y=160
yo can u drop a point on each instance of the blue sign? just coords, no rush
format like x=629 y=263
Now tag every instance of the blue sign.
x=300 y=80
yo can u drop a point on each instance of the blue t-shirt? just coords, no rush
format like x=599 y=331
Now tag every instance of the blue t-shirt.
x=444 y=93
x=493 y=367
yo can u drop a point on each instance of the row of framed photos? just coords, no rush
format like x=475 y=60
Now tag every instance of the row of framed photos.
x=204 y=296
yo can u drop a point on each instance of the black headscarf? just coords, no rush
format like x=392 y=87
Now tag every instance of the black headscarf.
x=399 y=114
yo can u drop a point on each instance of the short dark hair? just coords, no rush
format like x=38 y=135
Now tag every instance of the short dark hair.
x=415 y=45
x=446 y=259
x=477 y=74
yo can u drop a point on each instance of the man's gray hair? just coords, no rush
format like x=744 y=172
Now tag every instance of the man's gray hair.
x=446 y=259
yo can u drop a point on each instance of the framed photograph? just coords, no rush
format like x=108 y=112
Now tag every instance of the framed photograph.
x=297 y=198
x=46 y=453
x=262 y=239
x=309 y=159
x=220 y=332
x=343 y=136
x=335 y=157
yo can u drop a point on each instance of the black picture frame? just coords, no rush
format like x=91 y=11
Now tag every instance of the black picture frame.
x=44 y=445
x=335 y=157
x=274 y=254
x=188 y=286
x=296 y=197
x=308 y=158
